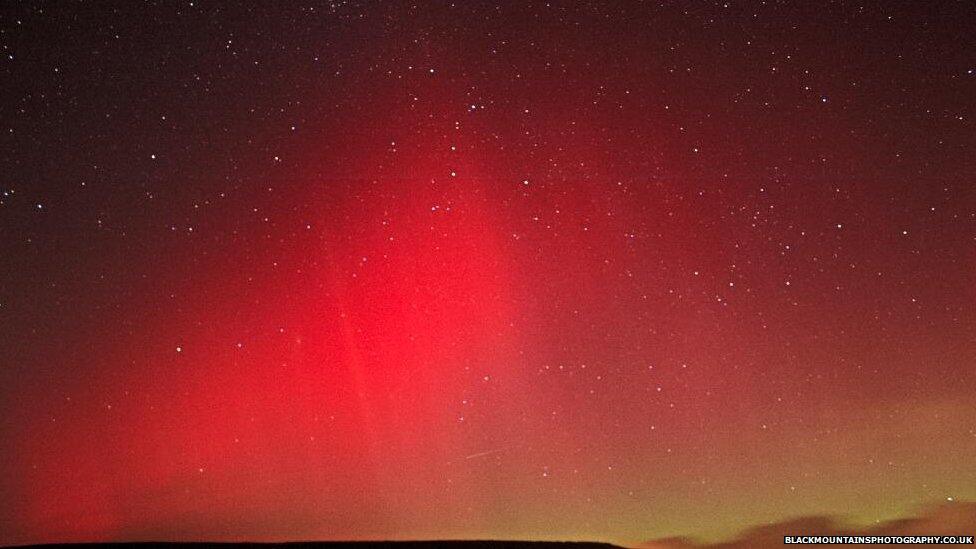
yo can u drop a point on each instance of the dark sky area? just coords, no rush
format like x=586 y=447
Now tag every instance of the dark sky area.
x=543 y=270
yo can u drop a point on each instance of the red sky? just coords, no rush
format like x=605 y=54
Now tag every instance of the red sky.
x=548 y=271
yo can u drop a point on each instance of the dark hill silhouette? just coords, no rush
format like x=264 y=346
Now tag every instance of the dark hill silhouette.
x=436 y=544
x=948 y=519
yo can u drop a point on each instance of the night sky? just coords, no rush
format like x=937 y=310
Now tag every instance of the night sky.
x=540 y=270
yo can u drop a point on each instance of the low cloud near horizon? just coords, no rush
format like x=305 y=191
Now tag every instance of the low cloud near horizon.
x=950 y=518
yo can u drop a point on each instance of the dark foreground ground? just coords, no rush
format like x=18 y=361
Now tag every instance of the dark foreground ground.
x=950 y=518
x=442 y=544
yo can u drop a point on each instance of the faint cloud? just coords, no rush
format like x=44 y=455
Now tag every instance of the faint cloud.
x=950 y=518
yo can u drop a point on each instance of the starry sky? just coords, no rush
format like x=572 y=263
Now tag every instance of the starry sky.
x=544 y=270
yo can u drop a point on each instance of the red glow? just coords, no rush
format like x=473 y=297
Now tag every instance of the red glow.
x=608 y=271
